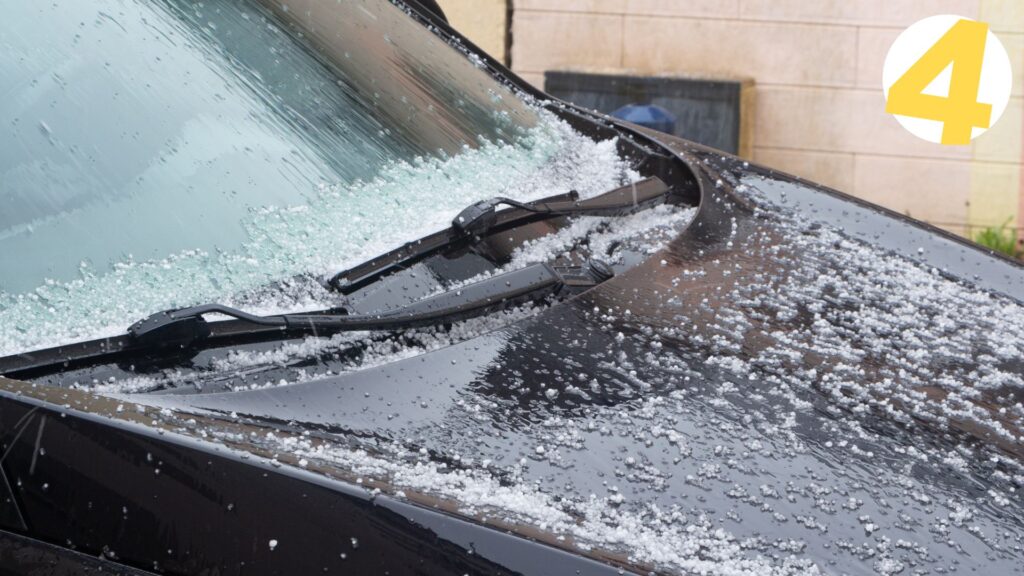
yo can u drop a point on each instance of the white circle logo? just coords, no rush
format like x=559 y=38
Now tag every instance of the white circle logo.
x=947 y=79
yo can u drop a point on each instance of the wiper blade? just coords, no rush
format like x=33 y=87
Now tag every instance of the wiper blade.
x=483 y=218
x=185 y=326
x=182 y=329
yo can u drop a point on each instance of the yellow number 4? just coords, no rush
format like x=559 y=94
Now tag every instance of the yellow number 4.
x=963 y=46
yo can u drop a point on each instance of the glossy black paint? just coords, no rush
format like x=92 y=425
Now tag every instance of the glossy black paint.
x=209 y=511
x=147 y=498
x=21 y=556
x=417 y=399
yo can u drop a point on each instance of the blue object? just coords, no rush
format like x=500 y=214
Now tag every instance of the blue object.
x=648 y=116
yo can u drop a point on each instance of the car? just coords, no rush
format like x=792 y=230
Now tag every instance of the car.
x=308 y=287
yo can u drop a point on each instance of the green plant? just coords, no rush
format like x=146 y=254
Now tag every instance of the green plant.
x=1001 y=239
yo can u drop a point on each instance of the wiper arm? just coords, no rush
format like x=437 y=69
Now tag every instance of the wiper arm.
x=483 y=218
x=172 y=331
x=175 y=330
x=181 y=328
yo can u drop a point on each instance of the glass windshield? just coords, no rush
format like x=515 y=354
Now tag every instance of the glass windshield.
x=157 y=154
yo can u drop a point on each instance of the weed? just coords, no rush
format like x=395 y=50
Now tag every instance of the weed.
x=1001 y=239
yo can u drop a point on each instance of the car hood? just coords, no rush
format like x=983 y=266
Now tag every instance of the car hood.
x=800 y=381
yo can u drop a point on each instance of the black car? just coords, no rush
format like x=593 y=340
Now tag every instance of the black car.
x=318 y=287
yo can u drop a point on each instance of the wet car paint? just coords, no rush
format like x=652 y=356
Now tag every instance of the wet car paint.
x=21 y=556
x=426 y=398
x=486 y=398
x=151 y=498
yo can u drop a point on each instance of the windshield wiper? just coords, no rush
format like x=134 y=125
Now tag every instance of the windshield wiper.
x=483 y=218
x=163 y=333
x=185 y=326
x=183 y=329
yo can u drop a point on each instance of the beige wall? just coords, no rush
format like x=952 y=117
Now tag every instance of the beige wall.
x=484 y=22
x=819 y=108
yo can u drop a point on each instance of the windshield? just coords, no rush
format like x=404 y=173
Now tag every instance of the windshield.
x=158 y=154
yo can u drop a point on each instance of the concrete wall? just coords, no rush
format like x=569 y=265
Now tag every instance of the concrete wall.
x=819 y=110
